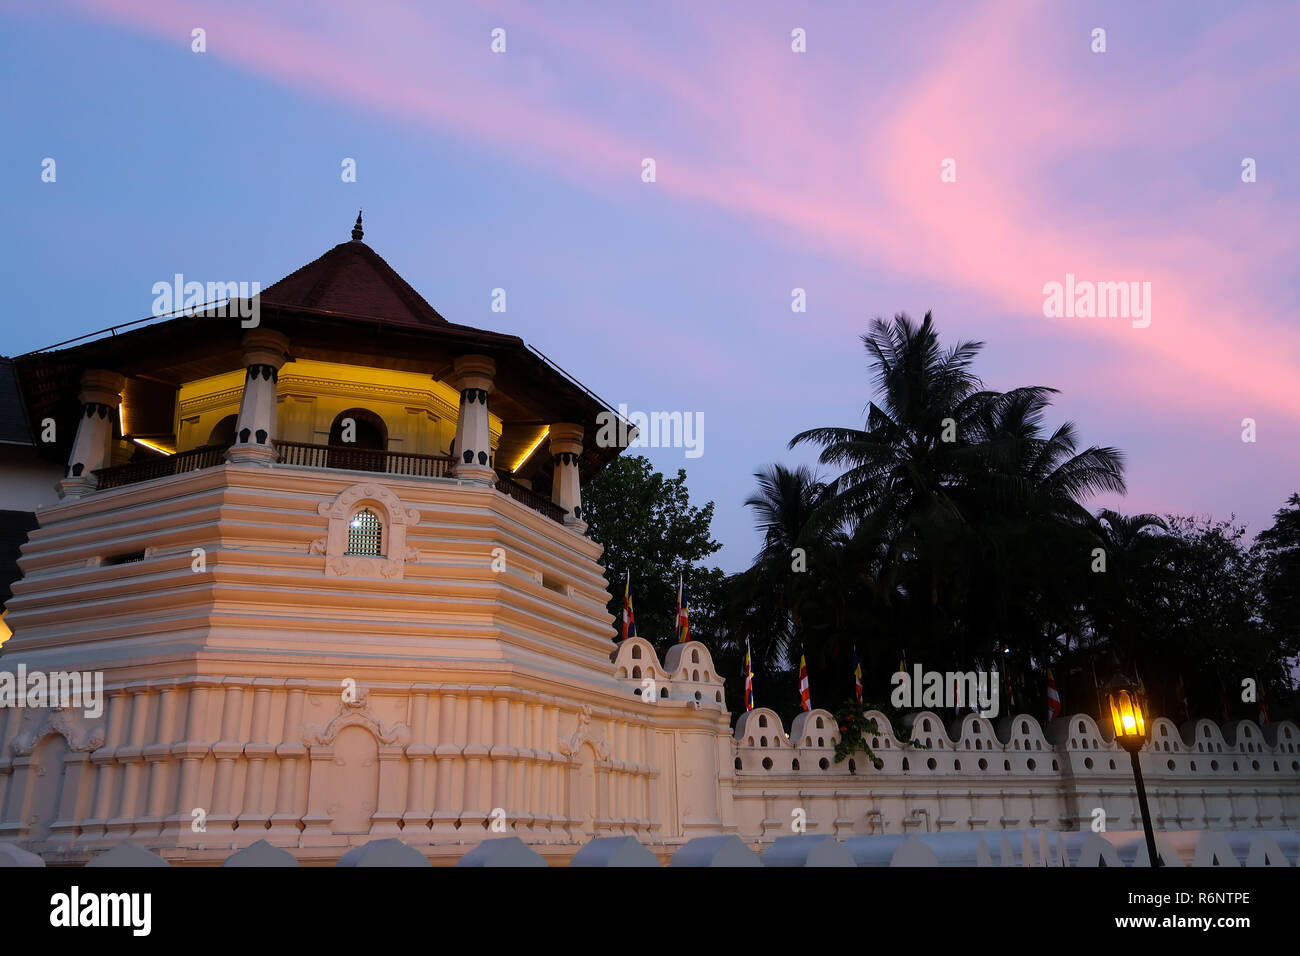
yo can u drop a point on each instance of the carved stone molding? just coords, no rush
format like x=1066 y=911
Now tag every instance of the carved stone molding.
x=356 y=713
x=348 y=498
x=395 y=517
x=80 y=736
x=569 y=746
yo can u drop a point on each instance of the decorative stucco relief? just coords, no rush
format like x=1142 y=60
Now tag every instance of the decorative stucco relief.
x=569 y=746
x=396 y=518
x=356 y=713
x=79 y=736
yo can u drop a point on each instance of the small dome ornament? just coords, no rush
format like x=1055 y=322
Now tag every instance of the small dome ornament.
x=356 y=230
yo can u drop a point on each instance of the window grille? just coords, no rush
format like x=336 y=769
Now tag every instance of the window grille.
x=365 y=534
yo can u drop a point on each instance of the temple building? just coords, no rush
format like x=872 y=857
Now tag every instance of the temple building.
x=332 y=567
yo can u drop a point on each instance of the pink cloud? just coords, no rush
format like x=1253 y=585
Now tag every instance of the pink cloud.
x=754 y=133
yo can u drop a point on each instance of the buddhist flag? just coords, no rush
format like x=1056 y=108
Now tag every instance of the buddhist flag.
x=1263 y=713
x=749 y=679
x=1011 y=694
x=629 y=622
x=1053 y=697
x=805 y=700
x=683 y=622
x=1223 y=702
x=857 y=675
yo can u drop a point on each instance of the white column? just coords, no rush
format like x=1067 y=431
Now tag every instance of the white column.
x=101 y=394
x=290 y=751
x=265 y=351
x=474 y=375
x=419 y=754
x=566 y=449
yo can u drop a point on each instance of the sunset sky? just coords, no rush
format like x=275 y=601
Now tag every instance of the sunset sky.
x=775 y=170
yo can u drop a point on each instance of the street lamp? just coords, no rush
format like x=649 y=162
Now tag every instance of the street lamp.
x=1128 y=717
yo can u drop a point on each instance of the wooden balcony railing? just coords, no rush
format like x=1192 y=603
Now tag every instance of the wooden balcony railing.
x=364 y=459
x=530 y=498
x=191 y=460
x=407 y=464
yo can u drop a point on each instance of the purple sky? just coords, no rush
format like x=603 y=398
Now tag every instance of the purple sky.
x=775 y=170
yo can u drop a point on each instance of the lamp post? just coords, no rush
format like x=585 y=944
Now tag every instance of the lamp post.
x=1127 y=714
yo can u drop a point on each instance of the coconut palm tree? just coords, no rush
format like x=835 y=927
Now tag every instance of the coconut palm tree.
x=971 y=500
x=791 y=514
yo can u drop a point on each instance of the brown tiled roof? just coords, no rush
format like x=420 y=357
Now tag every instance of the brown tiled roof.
x=348 y=306
x=353 y=279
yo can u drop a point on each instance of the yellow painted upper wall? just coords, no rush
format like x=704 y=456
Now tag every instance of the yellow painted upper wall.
x=419 y=412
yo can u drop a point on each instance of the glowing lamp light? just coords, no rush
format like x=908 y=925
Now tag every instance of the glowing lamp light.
x=152 y=447
x=531 y=448
x=1128 y=718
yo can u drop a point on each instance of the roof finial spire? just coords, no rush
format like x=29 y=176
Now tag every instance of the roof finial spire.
x=356 y=230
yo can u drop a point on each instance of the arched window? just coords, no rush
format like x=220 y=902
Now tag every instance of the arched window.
x=357 y=441
x=223 y=432
x=695 y=657
x=365 y=534
x=367 y=430
x=636 y=652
